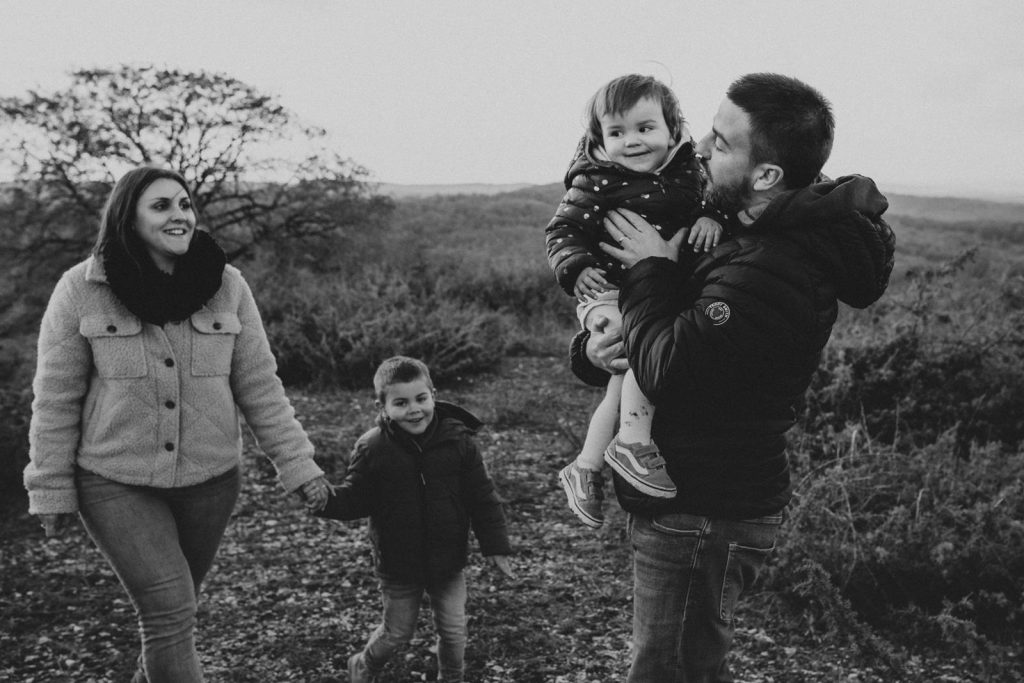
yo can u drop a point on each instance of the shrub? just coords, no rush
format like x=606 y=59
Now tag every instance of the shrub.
x=17 y=362
x=944 y=355
x=15 y=409
x=922 y=544
x=338 y=331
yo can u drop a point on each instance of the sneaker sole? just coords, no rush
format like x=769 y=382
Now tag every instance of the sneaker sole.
x=639 y=484
x=589 y=521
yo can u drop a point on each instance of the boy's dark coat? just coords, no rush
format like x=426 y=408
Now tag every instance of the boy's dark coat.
x=422 y=497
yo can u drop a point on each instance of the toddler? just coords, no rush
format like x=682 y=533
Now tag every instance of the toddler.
x=636 y=154
x=419 y=477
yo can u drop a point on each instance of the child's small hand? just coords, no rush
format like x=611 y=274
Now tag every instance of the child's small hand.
x=705 y=234
x=315 y=493
x=503 y=565
x=590 y=283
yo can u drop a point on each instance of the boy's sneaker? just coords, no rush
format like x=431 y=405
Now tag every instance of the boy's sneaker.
x=358 y=671
x=642 y=466
x=584 y=491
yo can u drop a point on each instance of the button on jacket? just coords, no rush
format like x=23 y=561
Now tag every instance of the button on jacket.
x=148 y=405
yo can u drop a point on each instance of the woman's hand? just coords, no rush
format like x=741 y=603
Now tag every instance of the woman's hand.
x=315 y=493
x=53 y=524
x=638 y=239
x=604 y=346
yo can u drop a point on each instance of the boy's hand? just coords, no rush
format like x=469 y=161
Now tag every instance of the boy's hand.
x=503 y=565
x=315 y=493
x=590 y=283
x=705 y=234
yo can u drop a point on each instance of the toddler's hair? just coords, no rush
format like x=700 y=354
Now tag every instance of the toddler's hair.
x=620 y=94
x=399 y=370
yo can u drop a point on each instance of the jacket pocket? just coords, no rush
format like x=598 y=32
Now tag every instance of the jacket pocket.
x=118 y=351
x=213 y=342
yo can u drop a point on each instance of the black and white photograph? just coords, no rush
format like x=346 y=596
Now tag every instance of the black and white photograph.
x=536 y=342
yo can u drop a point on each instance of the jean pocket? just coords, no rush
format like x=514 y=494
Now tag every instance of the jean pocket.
x=742 y=567
x=679 y=524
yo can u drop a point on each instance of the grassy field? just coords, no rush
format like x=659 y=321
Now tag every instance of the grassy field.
x=290 y=597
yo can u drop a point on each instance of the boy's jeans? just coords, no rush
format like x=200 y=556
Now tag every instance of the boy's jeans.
x=689 y=572
x=160 y=543
x=402 y=607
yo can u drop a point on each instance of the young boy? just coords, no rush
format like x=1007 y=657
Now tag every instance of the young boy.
x=636 y=154
x=419 y=477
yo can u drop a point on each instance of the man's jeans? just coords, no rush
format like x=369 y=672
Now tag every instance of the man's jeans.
x=402 y=607
x=689 y=572
x=160 y=543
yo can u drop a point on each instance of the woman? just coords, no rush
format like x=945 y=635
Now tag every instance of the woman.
x=148 y=351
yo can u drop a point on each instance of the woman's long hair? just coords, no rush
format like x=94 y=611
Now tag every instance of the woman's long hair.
x=117 y=224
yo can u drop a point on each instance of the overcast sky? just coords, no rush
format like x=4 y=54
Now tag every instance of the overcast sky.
x=928 y=94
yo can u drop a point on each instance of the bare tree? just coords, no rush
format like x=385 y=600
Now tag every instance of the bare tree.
x=65 y=149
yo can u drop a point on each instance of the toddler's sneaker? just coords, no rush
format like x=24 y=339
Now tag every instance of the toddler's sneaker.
x=584 y=491
x=642 y=466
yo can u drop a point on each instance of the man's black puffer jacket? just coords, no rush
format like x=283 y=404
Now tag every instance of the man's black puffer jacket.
x=726 y=349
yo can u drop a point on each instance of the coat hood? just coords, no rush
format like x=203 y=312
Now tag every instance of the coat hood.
x=589 y=156
x=449 y=420
x=840 y=224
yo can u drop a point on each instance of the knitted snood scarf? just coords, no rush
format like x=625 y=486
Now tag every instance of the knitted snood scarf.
x=157 y=297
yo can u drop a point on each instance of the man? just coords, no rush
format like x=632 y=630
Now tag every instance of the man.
x=725 y=350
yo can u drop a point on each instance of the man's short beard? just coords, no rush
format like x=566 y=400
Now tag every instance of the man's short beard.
x=730 y=199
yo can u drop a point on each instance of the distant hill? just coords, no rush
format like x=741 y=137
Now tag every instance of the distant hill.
x=945 y=209
x=399 y=191
x=956 y=209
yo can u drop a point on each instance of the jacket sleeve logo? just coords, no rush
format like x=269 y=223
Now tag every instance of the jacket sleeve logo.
x=718 y=312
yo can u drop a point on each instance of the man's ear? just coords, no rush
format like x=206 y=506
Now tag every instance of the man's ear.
x=767 y=177
x=378 y=405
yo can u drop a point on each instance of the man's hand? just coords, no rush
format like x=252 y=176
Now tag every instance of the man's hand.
x=52 y=524
x=604 y=346
x=705 y=234
x=590 y=283
x=638 y=239
x=503 y=565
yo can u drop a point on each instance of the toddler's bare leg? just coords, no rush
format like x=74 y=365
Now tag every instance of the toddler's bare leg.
x=602 y=427
x=636 y=412
x=633 y=455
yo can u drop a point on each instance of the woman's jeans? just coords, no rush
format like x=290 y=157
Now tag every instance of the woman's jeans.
x=401 y=609
x=689 y=572
x=160 y=543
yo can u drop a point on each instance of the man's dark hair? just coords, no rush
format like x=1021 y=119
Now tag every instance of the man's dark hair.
x=791 y=124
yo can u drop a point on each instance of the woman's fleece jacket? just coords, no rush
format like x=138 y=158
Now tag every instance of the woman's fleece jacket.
x=422 y=495
x=154 y=406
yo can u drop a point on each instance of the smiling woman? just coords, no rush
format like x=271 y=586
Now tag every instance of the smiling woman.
x=164 y=221
x=138 y=341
